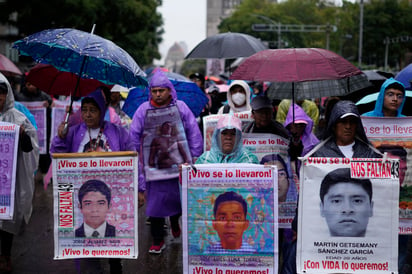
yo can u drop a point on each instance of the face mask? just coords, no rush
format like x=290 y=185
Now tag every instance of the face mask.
x=239 y=98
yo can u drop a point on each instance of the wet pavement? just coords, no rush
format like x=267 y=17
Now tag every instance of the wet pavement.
x=33 y=250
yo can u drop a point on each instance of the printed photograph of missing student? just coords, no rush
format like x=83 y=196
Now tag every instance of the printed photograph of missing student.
x=165 y=149
x=230 y=211
x=94 y=203
x=346 y=203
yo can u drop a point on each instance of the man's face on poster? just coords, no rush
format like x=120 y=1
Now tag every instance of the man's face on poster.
x=283 y=180
x=94 y=208
x=230 y=223
x=346 y=208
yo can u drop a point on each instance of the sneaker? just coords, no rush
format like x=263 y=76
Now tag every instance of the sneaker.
x=157 y=249
x=176 y=233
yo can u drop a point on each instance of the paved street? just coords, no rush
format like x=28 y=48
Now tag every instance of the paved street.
x=33 y=250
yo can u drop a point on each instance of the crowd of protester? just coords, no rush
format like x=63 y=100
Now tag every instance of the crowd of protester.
x=93 y=128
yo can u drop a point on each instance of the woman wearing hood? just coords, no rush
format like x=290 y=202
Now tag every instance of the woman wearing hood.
x=300 y=126
x=27 y=160
x=344 y=135
x=390 y=100
x=238 y=98
x=227 y=144
x=93 y=133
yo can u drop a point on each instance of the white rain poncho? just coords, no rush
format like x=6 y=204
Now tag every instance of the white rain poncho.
x=26 y=164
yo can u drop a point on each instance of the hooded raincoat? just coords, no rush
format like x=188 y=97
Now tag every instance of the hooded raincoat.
x=234 y=109
x=117 y=136
x=309 y=140
x=377 y=112
x=238 y=154
x=308 y=106
x=163 y=197
x=26 y=165
x=328 y=148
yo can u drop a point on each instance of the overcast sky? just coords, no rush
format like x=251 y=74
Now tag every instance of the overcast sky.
x=184 y=20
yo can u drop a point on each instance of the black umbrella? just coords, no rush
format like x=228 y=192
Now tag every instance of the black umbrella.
x=228 y=45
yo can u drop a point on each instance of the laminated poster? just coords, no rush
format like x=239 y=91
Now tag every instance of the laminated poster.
x=348 y=216
x=95 y=205
x=230 y=219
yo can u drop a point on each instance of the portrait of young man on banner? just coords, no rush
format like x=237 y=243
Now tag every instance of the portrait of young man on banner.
x=230 y=222
x=230 y=215
x=94 y=202
x=348 y=216
x=346 y=203
x=95 y=206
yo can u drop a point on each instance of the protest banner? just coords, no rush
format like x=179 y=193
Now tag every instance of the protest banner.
x=59 y=114
x=210 y=123
x=348 y=216
x=268 y=148
x=394 y=136
x=230 y=219
x=39 y=112
x=95 y=207
x=164 y=144
x=9 y=141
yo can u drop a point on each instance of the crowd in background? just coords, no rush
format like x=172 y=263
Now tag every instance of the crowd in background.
x=100 y=126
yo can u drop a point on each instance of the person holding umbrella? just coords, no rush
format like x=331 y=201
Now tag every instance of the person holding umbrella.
x=163 y=195
x=93 y=134
x=27 y=160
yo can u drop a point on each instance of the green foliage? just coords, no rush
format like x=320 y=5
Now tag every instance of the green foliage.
x=382 y=18
x=134 y=25
x=193 y=65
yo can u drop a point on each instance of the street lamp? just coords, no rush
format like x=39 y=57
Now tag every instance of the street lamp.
x=278 y=24
x=360 y=33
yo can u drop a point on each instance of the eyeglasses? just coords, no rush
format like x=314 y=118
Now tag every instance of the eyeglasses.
x=391 y=95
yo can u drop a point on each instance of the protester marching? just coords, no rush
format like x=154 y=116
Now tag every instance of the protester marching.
x=271 y=165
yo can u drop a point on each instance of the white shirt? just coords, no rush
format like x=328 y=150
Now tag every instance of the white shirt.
x=90 y=135
x=347 y=150
x=88 y=231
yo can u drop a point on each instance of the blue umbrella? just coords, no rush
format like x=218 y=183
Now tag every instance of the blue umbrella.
x=405 y=76
x=169 y=74
x=85 y=54
x=186 y=91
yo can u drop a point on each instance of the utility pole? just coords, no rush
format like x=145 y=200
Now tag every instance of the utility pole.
x=360 y=34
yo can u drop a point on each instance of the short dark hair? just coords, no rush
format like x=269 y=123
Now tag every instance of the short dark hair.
x=94 y=186
x=3 y=88
x=396 y=86
x=228 y=197
x=342 y=175
x=275 y=157
x=90 y=100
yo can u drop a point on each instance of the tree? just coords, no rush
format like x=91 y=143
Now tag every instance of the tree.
x=134 y=25
x=382 y=19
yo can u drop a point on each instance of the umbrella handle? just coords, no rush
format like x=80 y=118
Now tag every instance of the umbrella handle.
x=66 y=123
